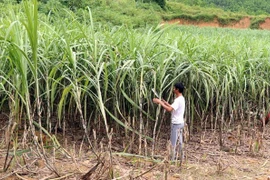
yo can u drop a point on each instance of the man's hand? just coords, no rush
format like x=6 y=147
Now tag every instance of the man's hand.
x=163 y=103
x=157 y=101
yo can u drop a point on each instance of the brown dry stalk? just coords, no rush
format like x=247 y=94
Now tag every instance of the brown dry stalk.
x=166 y=169
x=101 y=161
x=145 y=172
x=110 y=151
x=91 y=171
x=7 y=164
x=17 y=170
x=63 y=177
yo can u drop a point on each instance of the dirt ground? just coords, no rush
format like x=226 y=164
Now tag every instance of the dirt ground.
x=242 y=24
x=245 y=155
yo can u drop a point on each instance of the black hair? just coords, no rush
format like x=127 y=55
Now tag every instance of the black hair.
x=179 y=86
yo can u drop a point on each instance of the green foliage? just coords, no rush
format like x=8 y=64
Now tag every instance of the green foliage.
x=196 y=13
x=10 y=1
x=248 y=6
x=197 y=17
x=138 y=13
x=256 y=21
x=161 y=3
x=126 y=13
x=228 y=20
x=105 y=73
x=120 y=12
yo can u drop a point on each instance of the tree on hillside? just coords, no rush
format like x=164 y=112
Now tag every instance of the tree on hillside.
x=161 y=3
x=249 y=6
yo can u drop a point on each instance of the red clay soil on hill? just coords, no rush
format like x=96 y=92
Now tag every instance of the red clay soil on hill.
x=242 y=24
x=266 y=24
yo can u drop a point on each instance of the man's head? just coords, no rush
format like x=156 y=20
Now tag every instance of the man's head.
x=179 y=87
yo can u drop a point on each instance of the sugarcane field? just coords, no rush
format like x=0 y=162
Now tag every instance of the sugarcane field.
x=86 y=100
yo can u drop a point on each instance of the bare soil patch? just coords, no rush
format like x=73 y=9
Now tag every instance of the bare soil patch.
x=244 y=23
x=194 y=23
x=265 y=24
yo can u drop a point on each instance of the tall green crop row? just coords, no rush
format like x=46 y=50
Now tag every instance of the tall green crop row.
x=100 y=77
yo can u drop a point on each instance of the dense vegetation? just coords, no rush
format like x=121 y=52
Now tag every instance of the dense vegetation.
x=71 y=65
x=247 y=6
x=59 y=69
x=143 y=13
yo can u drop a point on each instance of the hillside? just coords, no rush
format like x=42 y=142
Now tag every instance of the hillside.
x=212 y=17
x=244 y=23
x=249 y=6
x=140 y=14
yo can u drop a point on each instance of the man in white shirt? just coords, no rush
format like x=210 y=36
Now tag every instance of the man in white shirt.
x=177 y=108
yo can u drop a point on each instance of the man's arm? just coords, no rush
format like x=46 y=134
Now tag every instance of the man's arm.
x=164 y=104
